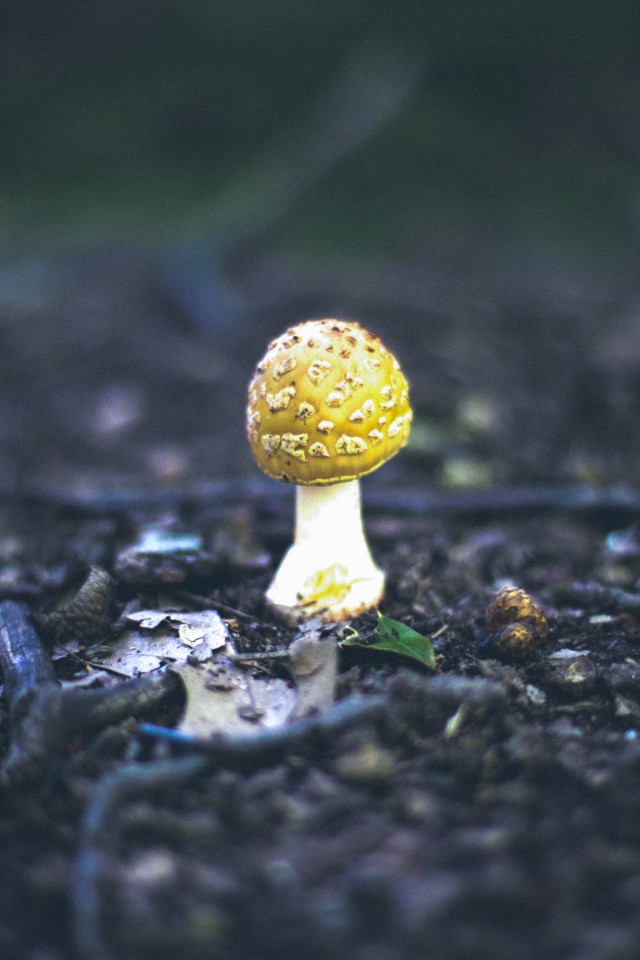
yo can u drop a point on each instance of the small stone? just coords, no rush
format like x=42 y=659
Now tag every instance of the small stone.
x=566 y=653
x=576 y=675
x=626 y=708
x=152 y=868
x=320 y=785
x=535 y=695
x=418 y=806
x=366 y=764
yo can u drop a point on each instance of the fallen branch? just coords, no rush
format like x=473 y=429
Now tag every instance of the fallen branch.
x=26 y=666
x=115 y=789
x=405 y=501
x=46 y=717
x=273 y=744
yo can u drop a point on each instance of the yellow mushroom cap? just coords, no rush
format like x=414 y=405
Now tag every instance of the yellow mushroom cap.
x=328 y=403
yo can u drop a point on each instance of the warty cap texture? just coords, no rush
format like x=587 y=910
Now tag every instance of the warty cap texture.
x=328 y=403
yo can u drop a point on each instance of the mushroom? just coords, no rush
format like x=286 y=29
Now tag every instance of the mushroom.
x=327 y=405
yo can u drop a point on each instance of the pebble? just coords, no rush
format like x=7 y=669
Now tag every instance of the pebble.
x=417 y=805
x=153 y=868
x=365 y=764
x=535 y=695
x=625 y=707
x=575 y=675
x=566 y=653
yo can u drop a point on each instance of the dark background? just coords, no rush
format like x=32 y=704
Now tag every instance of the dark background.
x=144 y=121
x=179 y=182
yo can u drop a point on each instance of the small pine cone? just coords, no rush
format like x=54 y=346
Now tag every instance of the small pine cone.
x=515 y=641
x=515 y=624
x=512 y=605
x=87 y=616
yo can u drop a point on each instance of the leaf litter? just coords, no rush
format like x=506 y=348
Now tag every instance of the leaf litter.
x=225 y=695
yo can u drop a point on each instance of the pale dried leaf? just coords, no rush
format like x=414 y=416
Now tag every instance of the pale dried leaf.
x=171 y=638
x=148 y=619
x=205 y=626
x=224 y=698
x=313 y=660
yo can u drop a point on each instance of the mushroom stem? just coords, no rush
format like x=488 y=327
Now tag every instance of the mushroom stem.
x=329 y=571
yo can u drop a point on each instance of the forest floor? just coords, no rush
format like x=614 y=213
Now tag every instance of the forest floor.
x=489 y=808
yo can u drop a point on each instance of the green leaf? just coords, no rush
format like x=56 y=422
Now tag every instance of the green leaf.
x=395 y=637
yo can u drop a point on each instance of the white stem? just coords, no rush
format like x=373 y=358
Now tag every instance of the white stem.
x=329 y=571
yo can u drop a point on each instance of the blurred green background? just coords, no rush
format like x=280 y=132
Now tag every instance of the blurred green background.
x=332 y=131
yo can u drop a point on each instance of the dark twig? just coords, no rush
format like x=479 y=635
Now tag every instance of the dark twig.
x=45 y=717
x=409 y=501
x=130 y=782
x=89 y=710
x=58 y=715
x=115 y=789
x=257 y=657
x=94 y=664
x=208 y=603
x=600 y=595
x=25 y=664
x=270 y=745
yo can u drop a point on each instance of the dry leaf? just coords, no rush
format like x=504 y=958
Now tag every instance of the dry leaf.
x=224 y=698
x=313 y=659
x=170 y=637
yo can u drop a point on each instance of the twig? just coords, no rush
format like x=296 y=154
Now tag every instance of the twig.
x=26 y=666
x=409 y=501
x=94 y=664
x=45 y=717
x=135 y=780
x=208 y=602
x=590 y=594
x=270 y=745
x=89 y=710
x=250 y=657
x=363 y=98
x=113 y=790
x=58 y=715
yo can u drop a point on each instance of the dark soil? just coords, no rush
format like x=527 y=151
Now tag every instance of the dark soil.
x=489 y=810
